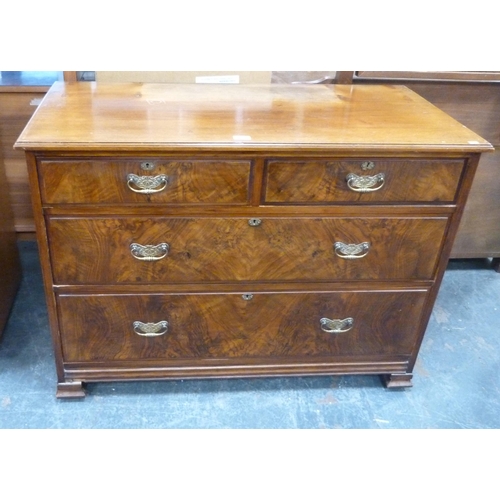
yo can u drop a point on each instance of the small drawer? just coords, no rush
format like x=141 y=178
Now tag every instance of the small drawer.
x=362 y=181
x=239 y=326
x=152 y=181
x=131 y=250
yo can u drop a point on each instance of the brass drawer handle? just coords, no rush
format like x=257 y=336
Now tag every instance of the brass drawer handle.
x=352 y=250
x=147 y=184
x=149 y=252
x=150 y=329
x=336 y=325
x=365 y=183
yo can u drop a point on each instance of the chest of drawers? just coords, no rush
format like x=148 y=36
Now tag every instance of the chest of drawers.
x=217 y=231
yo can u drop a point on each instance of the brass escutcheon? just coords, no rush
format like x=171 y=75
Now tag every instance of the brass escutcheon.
x=368 y=165
x=147 y=165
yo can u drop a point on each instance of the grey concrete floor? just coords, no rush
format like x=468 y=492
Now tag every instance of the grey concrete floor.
x=456 y=381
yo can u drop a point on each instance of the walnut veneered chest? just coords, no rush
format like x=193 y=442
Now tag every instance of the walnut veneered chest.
x=220 y=230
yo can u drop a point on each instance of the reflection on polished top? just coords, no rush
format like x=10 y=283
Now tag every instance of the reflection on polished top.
x=244 y=117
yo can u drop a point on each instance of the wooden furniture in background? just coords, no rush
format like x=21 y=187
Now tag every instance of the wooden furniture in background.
x=10 y=266
x=20 y=94
x=215 y=231
x=16 y=108
x=473 y=98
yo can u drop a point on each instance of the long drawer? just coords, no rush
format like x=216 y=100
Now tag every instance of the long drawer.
x=153 y=181
x=362 y=181
x=234 y=326
x=137 y=250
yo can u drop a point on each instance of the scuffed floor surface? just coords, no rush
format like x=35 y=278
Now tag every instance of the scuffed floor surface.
x=456 y=380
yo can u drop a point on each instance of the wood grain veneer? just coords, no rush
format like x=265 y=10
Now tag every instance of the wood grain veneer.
x=97 y=250
x=208 y=326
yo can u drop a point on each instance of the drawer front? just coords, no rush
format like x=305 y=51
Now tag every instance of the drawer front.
x=201 y=250
x=144 y=181
x=362 y=181
x=231 y=326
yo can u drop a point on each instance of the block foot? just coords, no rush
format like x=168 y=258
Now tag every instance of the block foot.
x=496 y=264
x=73 y=389
x=397 y=380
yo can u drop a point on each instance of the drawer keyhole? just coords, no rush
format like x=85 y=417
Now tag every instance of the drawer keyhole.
x=147 y=165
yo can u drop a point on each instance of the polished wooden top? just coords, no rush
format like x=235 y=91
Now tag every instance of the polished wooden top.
x=266 y=118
